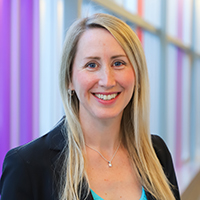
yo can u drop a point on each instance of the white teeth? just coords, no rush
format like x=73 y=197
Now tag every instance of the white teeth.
x=106 y=97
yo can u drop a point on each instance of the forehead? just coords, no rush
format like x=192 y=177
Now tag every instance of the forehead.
x=95 y=38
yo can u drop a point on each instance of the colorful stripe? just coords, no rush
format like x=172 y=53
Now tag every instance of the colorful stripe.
x=36 y=69
x=23 y=76
x=140 y=13
x=26 y=66
x=15 y=75
x=4 y=77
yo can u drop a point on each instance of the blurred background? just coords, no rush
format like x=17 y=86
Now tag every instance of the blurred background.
x=31 y=39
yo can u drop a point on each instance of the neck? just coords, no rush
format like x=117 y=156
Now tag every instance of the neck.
x=102 y=134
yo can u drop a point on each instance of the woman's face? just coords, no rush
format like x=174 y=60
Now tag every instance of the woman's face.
x=103 y=78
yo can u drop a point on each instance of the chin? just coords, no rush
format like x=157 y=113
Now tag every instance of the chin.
x=107 y=116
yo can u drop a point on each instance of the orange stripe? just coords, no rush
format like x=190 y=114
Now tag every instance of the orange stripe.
x=140 y=13
x=140 y=7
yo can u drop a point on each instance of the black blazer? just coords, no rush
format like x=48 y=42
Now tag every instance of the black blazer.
x=30 y=171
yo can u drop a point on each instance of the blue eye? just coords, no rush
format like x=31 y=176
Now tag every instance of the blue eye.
x=118 y=64
x=92 y=65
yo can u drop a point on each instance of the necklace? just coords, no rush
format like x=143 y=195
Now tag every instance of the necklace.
x=109 y=161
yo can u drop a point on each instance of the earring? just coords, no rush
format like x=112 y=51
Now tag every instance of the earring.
x=70 y=92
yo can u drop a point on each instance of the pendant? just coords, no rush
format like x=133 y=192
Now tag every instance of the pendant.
x=109 y=164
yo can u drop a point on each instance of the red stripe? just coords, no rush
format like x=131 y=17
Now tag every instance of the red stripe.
x=140 y=7
x=140 y=13
x=140 y=34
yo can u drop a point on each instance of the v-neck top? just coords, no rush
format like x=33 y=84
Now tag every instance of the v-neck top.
x=97 y=197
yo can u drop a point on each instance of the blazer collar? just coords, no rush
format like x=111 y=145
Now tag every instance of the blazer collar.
x=57 y=137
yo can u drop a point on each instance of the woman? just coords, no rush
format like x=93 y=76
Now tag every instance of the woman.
x=102 y=149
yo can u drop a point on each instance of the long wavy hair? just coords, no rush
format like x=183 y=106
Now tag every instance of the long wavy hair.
x=135 y=120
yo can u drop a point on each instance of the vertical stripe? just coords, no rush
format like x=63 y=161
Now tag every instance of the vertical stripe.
x=140 y=8
x=140 y=34
x=192 y=82
x=54 y=70
x=178 y=109
x=197 y=115
x=4 y=78
x=171 y=91
x=26 y=65
x=180 y=19
x=36 y=68
x=57 y=108
x=46 y=64
x=163 y=73
x=14 y=115
x=140 y=13
x=179 y=88
x=193 y=113
x=186 y=93
x=197 y=26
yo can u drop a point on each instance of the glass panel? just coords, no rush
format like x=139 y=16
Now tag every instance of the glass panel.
x=171 y=89
x=172 y=18
x=131 y=6
x=152 y=12
x=186 y=78
x=197 y=26
x=151 y=45
x=187 y=22
x=89 y=8
x=51 y=39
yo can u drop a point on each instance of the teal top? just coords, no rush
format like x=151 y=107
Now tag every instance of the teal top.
x=97 y=197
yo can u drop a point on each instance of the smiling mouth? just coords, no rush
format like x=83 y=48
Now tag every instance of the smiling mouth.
x=106 y=97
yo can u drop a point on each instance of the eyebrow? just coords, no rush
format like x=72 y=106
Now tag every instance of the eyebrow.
x=98 y=58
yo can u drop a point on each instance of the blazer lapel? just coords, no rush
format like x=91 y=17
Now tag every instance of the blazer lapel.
x=57 y=138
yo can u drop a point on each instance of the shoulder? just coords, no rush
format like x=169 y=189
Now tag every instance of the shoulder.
x=158 y=142
x=39 y=148
x=161 y=149
x=162 y=153
x=29 y=168
x=166 y=161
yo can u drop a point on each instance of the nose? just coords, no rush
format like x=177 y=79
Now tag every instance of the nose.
x=107 y=77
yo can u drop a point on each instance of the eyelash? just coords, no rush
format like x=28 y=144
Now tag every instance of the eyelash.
x=122 y=63
x=91 y=63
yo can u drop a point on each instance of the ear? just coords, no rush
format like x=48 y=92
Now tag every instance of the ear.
x=71 y=86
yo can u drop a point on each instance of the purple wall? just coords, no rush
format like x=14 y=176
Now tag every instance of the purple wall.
x=4 y=78
x=19 y=72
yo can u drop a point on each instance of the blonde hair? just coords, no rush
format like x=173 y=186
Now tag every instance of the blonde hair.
x=135 y=119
